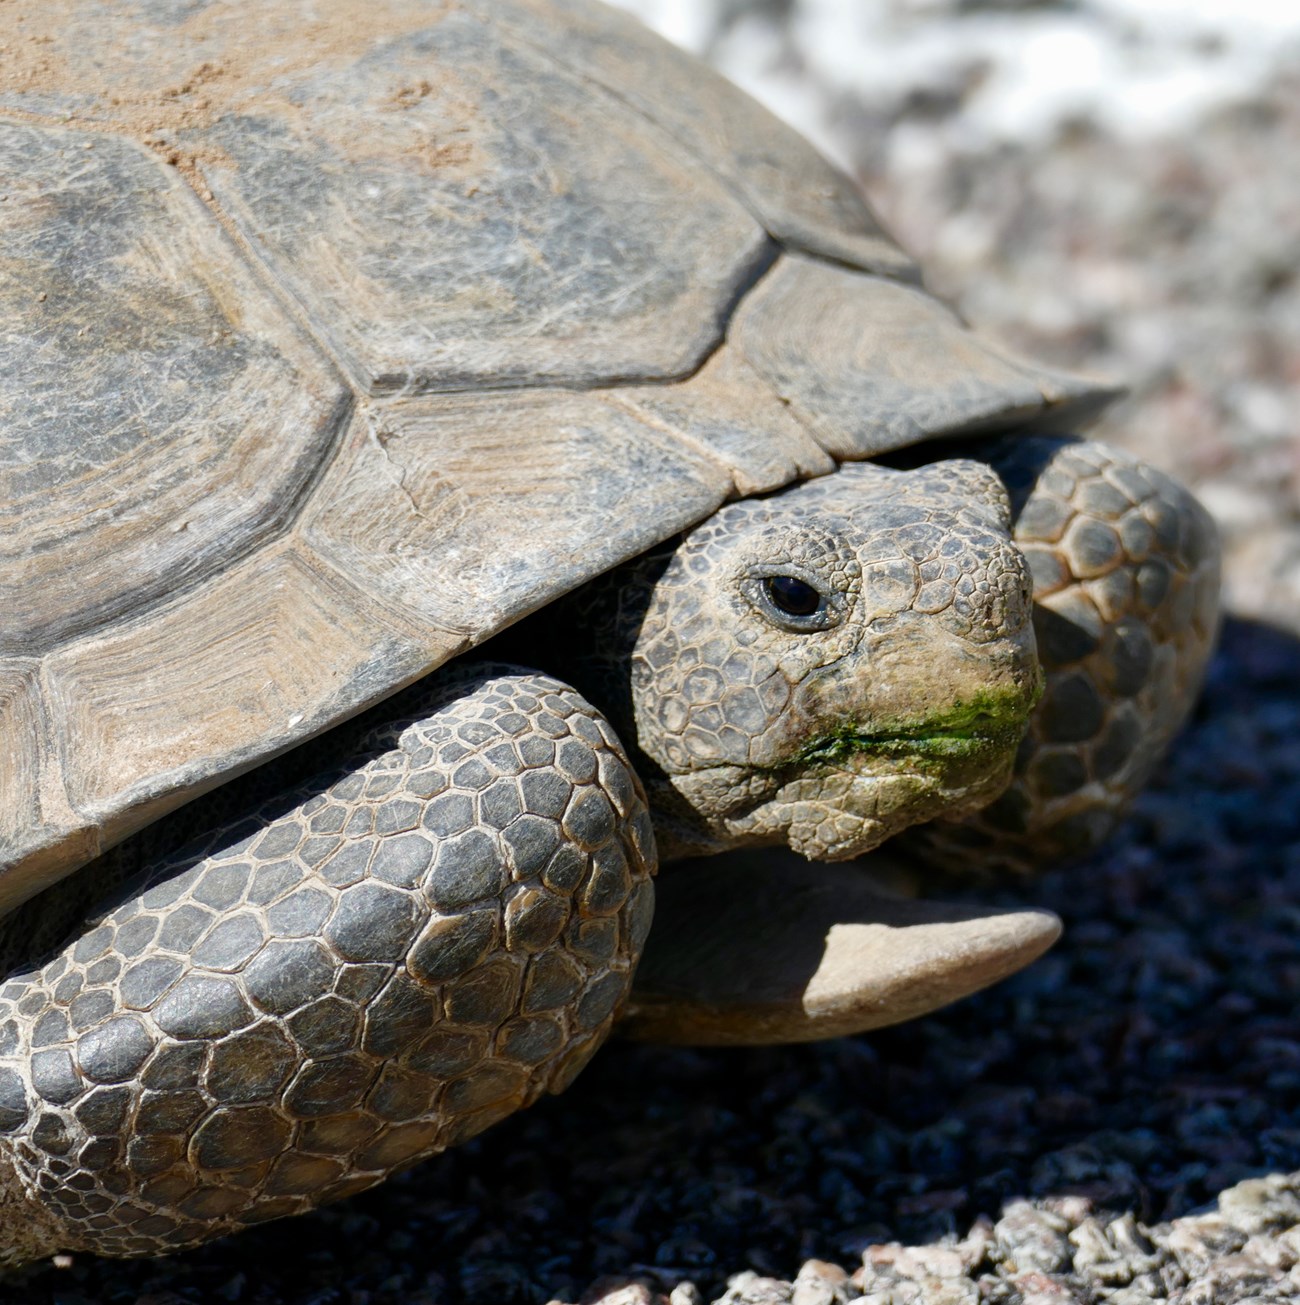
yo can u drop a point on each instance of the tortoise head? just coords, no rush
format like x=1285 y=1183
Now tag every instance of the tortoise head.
x=824 y=666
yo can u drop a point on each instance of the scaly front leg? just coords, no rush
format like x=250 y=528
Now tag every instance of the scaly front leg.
x=358 y=978
x=1125 y=564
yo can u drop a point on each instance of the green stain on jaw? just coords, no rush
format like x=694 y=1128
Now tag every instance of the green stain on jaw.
x=988 y=725
x=930 y=745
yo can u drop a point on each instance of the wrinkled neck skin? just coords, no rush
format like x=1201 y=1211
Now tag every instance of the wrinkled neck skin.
x=901 y=698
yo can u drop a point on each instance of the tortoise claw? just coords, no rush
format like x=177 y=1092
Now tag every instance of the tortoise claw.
x=757 y=948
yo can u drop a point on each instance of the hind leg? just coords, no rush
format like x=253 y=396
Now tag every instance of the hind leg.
x=363 y=974
x=1126 y=582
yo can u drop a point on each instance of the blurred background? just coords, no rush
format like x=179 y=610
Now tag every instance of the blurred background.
x=1111 y=185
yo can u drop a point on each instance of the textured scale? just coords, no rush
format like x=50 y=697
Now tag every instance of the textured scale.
x=338 y=986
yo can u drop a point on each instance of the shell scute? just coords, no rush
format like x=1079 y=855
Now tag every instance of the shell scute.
x=159 y=414
x=455 y=211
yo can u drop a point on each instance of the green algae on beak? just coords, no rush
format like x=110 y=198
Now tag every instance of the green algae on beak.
x=986 y=725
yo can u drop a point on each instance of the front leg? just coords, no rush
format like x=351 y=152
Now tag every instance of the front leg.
x=359 y=978
x=1125 y=566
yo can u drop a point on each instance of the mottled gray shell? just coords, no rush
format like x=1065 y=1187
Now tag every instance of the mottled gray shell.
x=336 y=336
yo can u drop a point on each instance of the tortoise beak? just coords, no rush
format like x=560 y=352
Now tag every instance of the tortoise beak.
x=755 y=948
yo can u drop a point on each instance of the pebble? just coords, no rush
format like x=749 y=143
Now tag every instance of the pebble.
x=820 y=1283
x=617 y=1291
x=750 y=1288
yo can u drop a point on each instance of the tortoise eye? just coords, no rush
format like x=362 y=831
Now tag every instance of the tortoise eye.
x=792 y=596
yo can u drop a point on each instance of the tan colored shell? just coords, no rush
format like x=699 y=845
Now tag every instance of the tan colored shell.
x=335 y=338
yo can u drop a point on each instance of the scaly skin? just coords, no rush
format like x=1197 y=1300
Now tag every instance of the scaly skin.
x=351 y=980
x=756 y=732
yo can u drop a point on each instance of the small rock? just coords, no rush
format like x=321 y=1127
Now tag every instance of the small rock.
x=1113 y=1255
x=926 y=1275
x=975 y=1249
x=820 y=1283
x=621 y=1291
x=749 y=1288
x=1036 y=1288
x=1262 y=1204
x=1197 y=1242
x=1132 y=1295
x=1033 y=1239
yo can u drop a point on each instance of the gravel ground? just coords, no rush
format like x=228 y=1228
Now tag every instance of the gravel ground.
x=1122 y=1122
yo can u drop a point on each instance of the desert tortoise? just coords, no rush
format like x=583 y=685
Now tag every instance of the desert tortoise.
x=338 y=339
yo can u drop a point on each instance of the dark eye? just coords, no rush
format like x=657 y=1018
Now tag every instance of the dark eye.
x=791 y=596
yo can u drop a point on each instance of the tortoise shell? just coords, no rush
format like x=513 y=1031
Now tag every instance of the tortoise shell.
x=336 y=338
